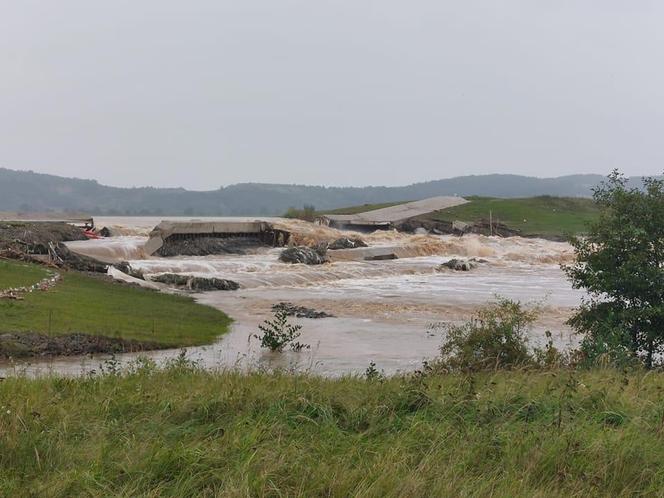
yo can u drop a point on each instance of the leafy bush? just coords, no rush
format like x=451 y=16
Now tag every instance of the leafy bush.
x=278 y=333
x=307 y=213
x=496 y=338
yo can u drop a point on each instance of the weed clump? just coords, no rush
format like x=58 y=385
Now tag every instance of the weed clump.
x=373 y=374
x=279 y=333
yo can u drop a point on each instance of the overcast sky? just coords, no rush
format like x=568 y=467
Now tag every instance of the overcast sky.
x=205 y=93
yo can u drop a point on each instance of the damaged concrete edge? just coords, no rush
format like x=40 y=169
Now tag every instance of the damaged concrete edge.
x=262 y=230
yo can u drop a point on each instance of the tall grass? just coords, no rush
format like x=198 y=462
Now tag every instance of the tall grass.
x=185 y=432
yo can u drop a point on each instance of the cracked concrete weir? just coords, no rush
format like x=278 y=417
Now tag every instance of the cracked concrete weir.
x=258 y=229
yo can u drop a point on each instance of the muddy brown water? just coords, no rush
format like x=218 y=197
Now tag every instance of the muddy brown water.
x=383 y=309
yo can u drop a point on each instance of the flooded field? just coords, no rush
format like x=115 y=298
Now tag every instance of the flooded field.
x=383 y=310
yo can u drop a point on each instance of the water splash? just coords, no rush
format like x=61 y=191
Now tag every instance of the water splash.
x=111 y=250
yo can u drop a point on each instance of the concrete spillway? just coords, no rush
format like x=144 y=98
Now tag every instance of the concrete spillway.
x=178 y=230
x=390 y=216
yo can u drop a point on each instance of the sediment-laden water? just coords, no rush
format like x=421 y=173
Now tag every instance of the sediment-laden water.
x=383 y=309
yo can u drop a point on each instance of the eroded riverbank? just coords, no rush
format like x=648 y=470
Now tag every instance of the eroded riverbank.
x=383 y=310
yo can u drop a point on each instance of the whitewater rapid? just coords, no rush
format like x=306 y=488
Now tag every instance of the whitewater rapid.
x=383 y=309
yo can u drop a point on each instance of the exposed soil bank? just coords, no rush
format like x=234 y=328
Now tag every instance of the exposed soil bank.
x=33 y=344
x=19 y=240
x=34 y=238
x=481 y=227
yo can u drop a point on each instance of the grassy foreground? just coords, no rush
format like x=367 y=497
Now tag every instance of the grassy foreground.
x=90 y=305
x=184 y=432
x=545 y=215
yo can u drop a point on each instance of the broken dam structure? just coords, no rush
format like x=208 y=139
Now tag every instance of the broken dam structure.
x=202 y=238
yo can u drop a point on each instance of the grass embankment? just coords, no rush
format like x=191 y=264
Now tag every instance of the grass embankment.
x=91 y=305
x=547 y=216
x=544 y=215
x=14 y=274
x=186 y=433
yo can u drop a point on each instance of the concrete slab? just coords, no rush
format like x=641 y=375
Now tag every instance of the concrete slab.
x=394 y=214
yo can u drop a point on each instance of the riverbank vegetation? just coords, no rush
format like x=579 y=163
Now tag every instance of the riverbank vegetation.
x=488 y=417
x=95 y=305
x=182 y=431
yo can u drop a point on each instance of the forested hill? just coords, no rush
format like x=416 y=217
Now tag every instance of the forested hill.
x=27 y=191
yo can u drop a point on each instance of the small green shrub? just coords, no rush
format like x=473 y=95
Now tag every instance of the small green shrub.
x=278 y=333
x=307 y=213
x=372 y=373
x=182 y=363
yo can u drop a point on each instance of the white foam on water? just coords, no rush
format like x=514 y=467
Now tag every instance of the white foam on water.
x=112 y=249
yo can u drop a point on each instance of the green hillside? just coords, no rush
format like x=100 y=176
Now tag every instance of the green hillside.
x=545 y=215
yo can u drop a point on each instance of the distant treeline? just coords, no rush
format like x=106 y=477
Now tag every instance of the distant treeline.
x=26 y=191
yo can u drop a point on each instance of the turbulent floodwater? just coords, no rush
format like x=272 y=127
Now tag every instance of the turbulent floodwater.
x=384 y=309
